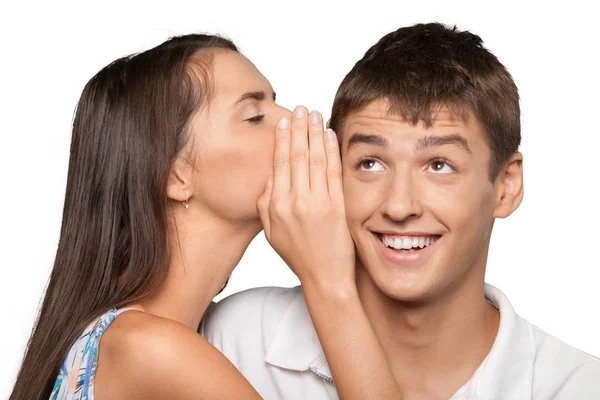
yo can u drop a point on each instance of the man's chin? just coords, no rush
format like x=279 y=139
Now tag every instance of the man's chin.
x=402 y=287
x=405 y=294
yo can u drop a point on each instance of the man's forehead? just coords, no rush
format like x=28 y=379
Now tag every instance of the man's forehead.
x=381 y=112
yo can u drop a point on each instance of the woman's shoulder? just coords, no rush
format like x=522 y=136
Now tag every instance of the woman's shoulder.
x=161 y=358
x=135 y=330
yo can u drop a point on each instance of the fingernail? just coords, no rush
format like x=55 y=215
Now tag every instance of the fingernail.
x=330 y=134
x=283 y=123
x=315 y=118
x=300 y=112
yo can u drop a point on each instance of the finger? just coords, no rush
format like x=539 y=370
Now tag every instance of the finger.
x=281 y=157
x=318 y=157
x=262 y=206
x=334 y=167
x=299 y=151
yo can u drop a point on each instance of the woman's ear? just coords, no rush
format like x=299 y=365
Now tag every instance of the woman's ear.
x=180 y=181
x=509 y=191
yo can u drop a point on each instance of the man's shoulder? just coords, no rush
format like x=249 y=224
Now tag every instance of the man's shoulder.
x=564 y=370
x=249 y=310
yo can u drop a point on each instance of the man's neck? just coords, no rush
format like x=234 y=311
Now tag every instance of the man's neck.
x=433 y=346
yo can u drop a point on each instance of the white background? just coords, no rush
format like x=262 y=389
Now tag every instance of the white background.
x=544 y=257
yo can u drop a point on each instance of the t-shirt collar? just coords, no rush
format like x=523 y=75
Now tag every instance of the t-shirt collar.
x=506 y=373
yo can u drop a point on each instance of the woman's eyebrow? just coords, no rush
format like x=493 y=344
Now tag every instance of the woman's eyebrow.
x=258 y=95
x=255 y=95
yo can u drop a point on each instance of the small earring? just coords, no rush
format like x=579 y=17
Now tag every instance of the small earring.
x=186 y=204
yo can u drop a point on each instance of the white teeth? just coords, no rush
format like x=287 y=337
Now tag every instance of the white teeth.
x=398 y=244
x=407 y=243
x=389 y=242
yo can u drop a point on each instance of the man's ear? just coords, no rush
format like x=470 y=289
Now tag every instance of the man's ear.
x=327 y=124
x=180 y=182
x=509 y=192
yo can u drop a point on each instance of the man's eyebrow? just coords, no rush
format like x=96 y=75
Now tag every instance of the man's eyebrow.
x=435 y=141
x=258 y=95
x=370 y=139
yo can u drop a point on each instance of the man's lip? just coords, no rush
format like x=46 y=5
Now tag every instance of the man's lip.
x=404 y=234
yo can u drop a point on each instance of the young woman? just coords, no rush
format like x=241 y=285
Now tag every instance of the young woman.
x=170 y=151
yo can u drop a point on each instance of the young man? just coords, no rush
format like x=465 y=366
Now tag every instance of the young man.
x=429 y=127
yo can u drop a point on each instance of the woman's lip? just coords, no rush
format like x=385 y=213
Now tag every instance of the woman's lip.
x=405 y=258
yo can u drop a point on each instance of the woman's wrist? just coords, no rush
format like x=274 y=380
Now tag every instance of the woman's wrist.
x=330 y=290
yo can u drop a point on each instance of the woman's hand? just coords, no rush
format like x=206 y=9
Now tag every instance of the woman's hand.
x=302 y=210
x=302 y=207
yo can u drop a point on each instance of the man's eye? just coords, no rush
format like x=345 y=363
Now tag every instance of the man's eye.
x=440 y=167
x=370 y=165
x=256 y=119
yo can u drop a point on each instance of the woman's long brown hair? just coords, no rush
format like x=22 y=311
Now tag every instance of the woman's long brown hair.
x=130 y=125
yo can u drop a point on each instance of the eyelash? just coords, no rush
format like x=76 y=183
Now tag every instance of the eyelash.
x=255 y=120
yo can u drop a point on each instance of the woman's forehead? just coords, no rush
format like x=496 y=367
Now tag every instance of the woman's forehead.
x=234 y=75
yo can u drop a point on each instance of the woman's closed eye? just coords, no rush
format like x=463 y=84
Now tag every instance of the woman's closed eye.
x=256 y=119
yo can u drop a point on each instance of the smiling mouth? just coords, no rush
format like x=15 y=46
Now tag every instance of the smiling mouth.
x=407 y=244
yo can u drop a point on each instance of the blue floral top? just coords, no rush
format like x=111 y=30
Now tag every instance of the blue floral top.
x=75 y=380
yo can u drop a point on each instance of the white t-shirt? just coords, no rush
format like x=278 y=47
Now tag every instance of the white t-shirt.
x=268 y=335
